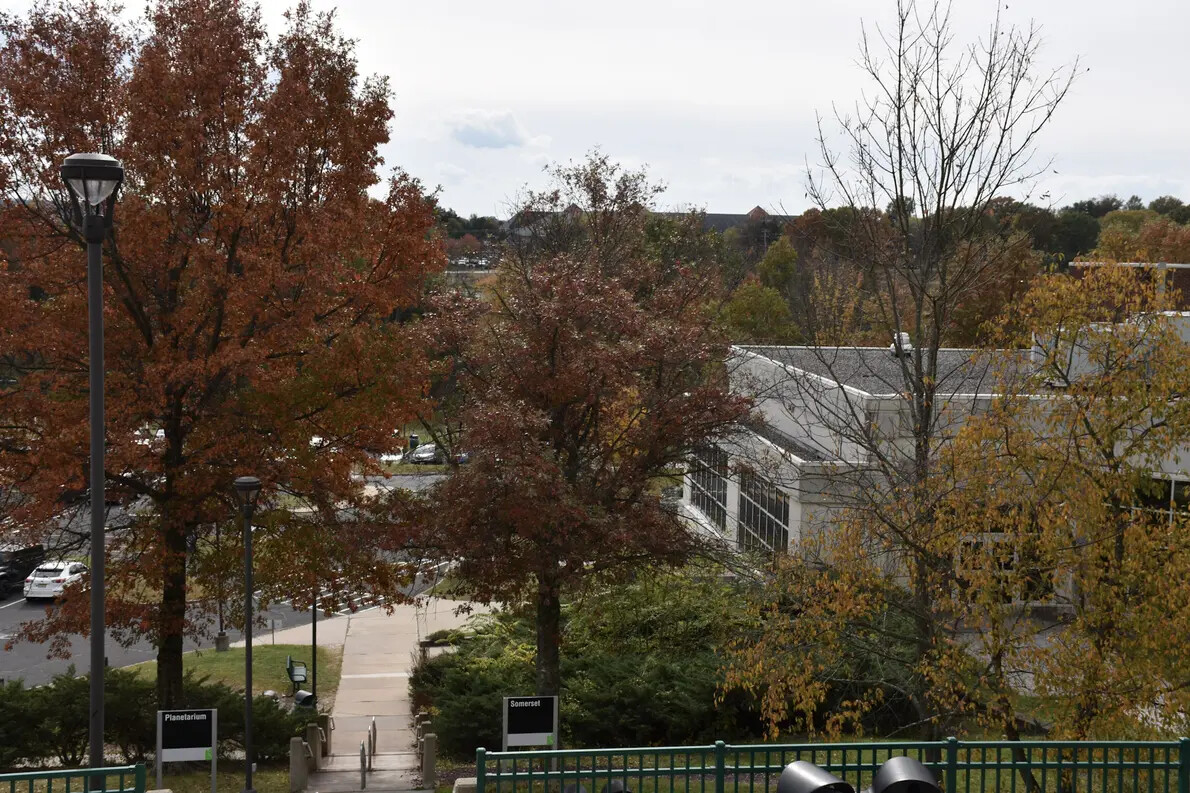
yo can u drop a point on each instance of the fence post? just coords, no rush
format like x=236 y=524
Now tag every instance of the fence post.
x=1184 y=765
x=141 y=783
x=480 y=758
x=952 y=764
x=721 y=766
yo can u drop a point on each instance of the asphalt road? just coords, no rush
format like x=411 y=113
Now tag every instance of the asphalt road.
x=28 y=661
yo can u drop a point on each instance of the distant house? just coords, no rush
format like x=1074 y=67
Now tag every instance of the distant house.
x=721 y=222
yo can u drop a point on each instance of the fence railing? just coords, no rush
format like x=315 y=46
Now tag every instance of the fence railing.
x=960 y=766
x=126 y=779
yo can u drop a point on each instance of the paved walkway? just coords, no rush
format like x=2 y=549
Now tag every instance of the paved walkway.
x=378 y=654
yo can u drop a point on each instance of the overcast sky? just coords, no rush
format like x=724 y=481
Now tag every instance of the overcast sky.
x=719 y=98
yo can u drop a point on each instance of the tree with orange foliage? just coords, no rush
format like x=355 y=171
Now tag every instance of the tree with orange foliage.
x=248 y=290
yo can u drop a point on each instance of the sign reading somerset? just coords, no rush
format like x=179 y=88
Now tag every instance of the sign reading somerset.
x=530 y=721
x=187 y=735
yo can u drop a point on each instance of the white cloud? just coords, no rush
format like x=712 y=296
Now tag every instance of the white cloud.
x=722 y=105
x=452 y=174
x=489 y=129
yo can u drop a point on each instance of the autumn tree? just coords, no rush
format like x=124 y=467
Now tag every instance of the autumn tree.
x=1054 y=553
x=1142 y=236
x=584 y=385
x=759 y=314
x=1109 y=525
x=946 y=130
x=248 y=288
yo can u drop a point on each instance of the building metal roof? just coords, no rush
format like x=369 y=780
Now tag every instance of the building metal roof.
x=786 y=442
x=875 y=370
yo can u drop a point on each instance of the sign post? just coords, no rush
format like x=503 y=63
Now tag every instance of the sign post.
x=187 y=735
x=530 y=721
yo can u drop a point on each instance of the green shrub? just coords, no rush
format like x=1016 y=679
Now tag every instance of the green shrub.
x=272 y=727
x=130 y=714
x=51 y=722
x=21 y=739
x=62 y=712
x=640 y=666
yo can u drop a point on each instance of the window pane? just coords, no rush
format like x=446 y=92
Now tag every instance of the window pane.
x=1181 y=495
x=763 y=515
x=708 y=480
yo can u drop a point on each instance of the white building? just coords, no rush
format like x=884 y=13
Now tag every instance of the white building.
x=824 y=410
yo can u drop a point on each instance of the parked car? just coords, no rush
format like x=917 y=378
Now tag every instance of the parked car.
x=16 y=563
x=426 y=454
x=50 y=579
x=431 y=453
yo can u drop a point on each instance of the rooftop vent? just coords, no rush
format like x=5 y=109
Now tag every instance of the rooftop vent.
x=901 y=345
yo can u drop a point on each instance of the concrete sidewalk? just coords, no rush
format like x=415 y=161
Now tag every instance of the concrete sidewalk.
x=332 y=632
x=379 y=652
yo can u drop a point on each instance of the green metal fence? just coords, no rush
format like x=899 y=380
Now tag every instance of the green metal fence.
x=961 y=766
x=126 y=779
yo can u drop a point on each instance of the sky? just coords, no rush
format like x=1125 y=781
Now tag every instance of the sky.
x=719 y=99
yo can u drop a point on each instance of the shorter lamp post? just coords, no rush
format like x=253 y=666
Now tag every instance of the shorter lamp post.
x=222 y=642
x=247 y=491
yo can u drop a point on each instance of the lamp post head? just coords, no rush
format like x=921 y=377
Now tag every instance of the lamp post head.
x=247 y=491
x=92 y=177
x=93 y=181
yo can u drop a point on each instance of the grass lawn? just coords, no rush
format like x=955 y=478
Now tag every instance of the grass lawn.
x=265 y=780
x=268 y=668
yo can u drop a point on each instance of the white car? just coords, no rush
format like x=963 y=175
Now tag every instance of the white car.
x=51 y=579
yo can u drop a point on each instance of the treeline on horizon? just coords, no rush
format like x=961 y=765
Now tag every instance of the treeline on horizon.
x=1106 y=227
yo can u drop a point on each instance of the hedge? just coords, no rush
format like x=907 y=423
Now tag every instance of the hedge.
x=49 y=724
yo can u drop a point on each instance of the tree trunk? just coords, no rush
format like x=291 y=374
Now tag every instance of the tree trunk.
x=549 y=633
x=171 y=616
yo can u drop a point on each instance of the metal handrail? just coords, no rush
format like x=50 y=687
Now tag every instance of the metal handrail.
x=135 y=774
x=966 y=766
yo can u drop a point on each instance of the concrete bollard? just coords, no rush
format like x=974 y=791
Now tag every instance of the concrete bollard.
x=429 y=775
x=328 y=729
x=466 y=784
x=314 y=738
x=298 y=769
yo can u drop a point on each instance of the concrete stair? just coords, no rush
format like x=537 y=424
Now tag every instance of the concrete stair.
x=391 y=771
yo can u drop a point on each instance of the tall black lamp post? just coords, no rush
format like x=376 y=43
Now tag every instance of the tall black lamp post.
x=247 y=491
x=94 y=181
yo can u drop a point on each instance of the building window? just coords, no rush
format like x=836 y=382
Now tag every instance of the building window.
x=763 y=523
x=1163 y=499
x=1015 y=569
x=708 y=483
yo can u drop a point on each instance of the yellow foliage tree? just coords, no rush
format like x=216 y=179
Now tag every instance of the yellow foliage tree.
x=1023 y=563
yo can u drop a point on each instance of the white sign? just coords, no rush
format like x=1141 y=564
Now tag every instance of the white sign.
x=530 y=721
x=187 y=735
